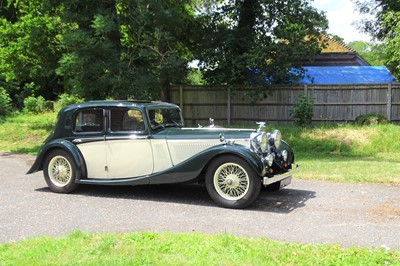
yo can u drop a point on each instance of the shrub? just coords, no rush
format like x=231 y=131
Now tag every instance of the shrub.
x=34 y=105
x=303 y=111
x=67 y=99
x=5 y=102
x=371 y=119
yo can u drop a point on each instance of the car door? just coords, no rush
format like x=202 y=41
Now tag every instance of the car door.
x=89 y=137
x=128 y=146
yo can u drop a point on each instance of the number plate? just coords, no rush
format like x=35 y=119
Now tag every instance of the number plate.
x=286 y=181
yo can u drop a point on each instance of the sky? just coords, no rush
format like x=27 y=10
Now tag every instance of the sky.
x=341 y=14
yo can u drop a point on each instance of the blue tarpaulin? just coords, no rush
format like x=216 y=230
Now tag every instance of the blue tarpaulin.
x=346 y=75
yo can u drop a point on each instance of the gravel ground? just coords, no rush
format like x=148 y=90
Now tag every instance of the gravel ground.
x=303 y=212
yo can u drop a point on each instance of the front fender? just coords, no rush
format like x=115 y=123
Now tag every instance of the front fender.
x=64 y=145
x=194 y=166
x=285 y=146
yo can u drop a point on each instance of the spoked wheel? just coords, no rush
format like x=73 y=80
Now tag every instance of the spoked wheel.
x=232 y=183
x=59 y=172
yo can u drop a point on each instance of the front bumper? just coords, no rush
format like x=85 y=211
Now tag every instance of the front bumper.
x=270 y=180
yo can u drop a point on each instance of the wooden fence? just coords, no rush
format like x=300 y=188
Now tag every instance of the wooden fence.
x=333 y=103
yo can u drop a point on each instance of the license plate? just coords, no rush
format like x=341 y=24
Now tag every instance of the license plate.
x=286 y=181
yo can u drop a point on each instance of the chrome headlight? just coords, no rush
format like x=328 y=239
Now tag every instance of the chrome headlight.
x=270 y=159
x=259 y=141
x=284 y=155
x=275 y=138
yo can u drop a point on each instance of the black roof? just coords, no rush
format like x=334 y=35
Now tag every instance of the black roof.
x=118 y=103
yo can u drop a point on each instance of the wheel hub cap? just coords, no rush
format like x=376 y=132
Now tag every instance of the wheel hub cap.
x=231 y=181
x=60 y=171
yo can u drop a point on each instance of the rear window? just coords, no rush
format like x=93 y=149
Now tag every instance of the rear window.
x=89 y=120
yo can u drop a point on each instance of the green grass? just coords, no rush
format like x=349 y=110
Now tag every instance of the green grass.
x=24 y=133
x=347 y=153
x=146 y=248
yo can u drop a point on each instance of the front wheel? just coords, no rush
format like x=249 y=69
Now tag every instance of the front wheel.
x=232 y=183
x=59 y=172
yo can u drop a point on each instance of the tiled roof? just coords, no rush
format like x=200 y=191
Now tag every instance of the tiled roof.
x=335 y=46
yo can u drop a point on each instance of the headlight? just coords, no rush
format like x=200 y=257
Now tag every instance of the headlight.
x=270 y=159
x=284 y=155
x=259 y=142
x=275 y=138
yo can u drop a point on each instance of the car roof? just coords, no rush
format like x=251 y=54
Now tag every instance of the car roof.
x=119 y=103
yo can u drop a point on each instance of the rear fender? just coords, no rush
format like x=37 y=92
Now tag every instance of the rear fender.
x=63 y=145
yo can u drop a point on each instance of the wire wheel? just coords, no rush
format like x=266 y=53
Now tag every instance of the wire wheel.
x=60 y=171
x=231 y=181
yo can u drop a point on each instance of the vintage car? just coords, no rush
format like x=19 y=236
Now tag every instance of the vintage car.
x=144 y=142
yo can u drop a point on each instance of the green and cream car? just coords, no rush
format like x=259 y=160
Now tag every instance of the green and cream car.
x=141 y=143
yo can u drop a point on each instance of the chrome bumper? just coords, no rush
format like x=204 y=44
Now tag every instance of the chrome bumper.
x=267 y=181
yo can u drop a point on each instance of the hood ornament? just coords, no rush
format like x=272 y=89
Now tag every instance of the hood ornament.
x=261 y=126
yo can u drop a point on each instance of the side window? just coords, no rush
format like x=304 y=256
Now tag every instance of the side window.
x=123 y=119
x=89 y=120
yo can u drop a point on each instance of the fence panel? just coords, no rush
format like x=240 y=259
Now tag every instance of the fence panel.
x=333 y=103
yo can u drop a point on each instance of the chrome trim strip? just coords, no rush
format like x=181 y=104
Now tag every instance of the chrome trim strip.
x=276 y=178
x=126 y=137
x=83 y=140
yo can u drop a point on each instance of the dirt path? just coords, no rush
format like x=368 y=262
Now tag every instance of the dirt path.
x=304 y=212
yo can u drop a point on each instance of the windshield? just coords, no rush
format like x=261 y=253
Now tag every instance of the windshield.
x=165 y=117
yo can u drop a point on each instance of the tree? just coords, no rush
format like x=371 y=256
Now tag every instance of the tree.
x=382 y=22
x=28 y=49
x=385 y=27
x=248 y=41
x=90 y=62
x=159 y=42
x=373 y=53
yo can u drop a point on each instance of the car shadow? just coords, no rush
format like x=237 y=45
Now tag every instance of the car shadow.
x=283 y=201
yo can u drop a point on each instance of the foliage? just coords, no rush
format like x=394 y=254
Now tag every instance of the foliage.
x=5 y=102
x=384 y=26
x=195 y=77
x=34 y=105
x=257 y=41
x=67 y=99
x=90 y=64
x=371 y=119
x=303 y=111
x=158 y=36
x=29 y=46
x=137 y=49
x=184 y=249
x=373 y=53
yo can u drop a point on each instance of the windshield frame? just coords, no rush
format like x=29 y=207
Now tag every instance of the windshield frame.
x=158 y=117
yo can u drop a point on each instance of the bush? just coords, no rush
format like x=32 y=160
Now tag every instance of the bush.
x=5 y=102
x=34 y=105
x=371 y=119
x=67 y=99
x=303 y=111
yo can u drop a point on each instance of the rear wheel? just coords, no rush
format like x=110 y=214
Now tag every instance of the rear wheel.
x=60 y=171
x=232 y=183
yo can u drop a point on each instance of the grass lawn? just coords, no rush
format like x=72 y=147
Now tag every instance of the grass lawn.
x=146 y=248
